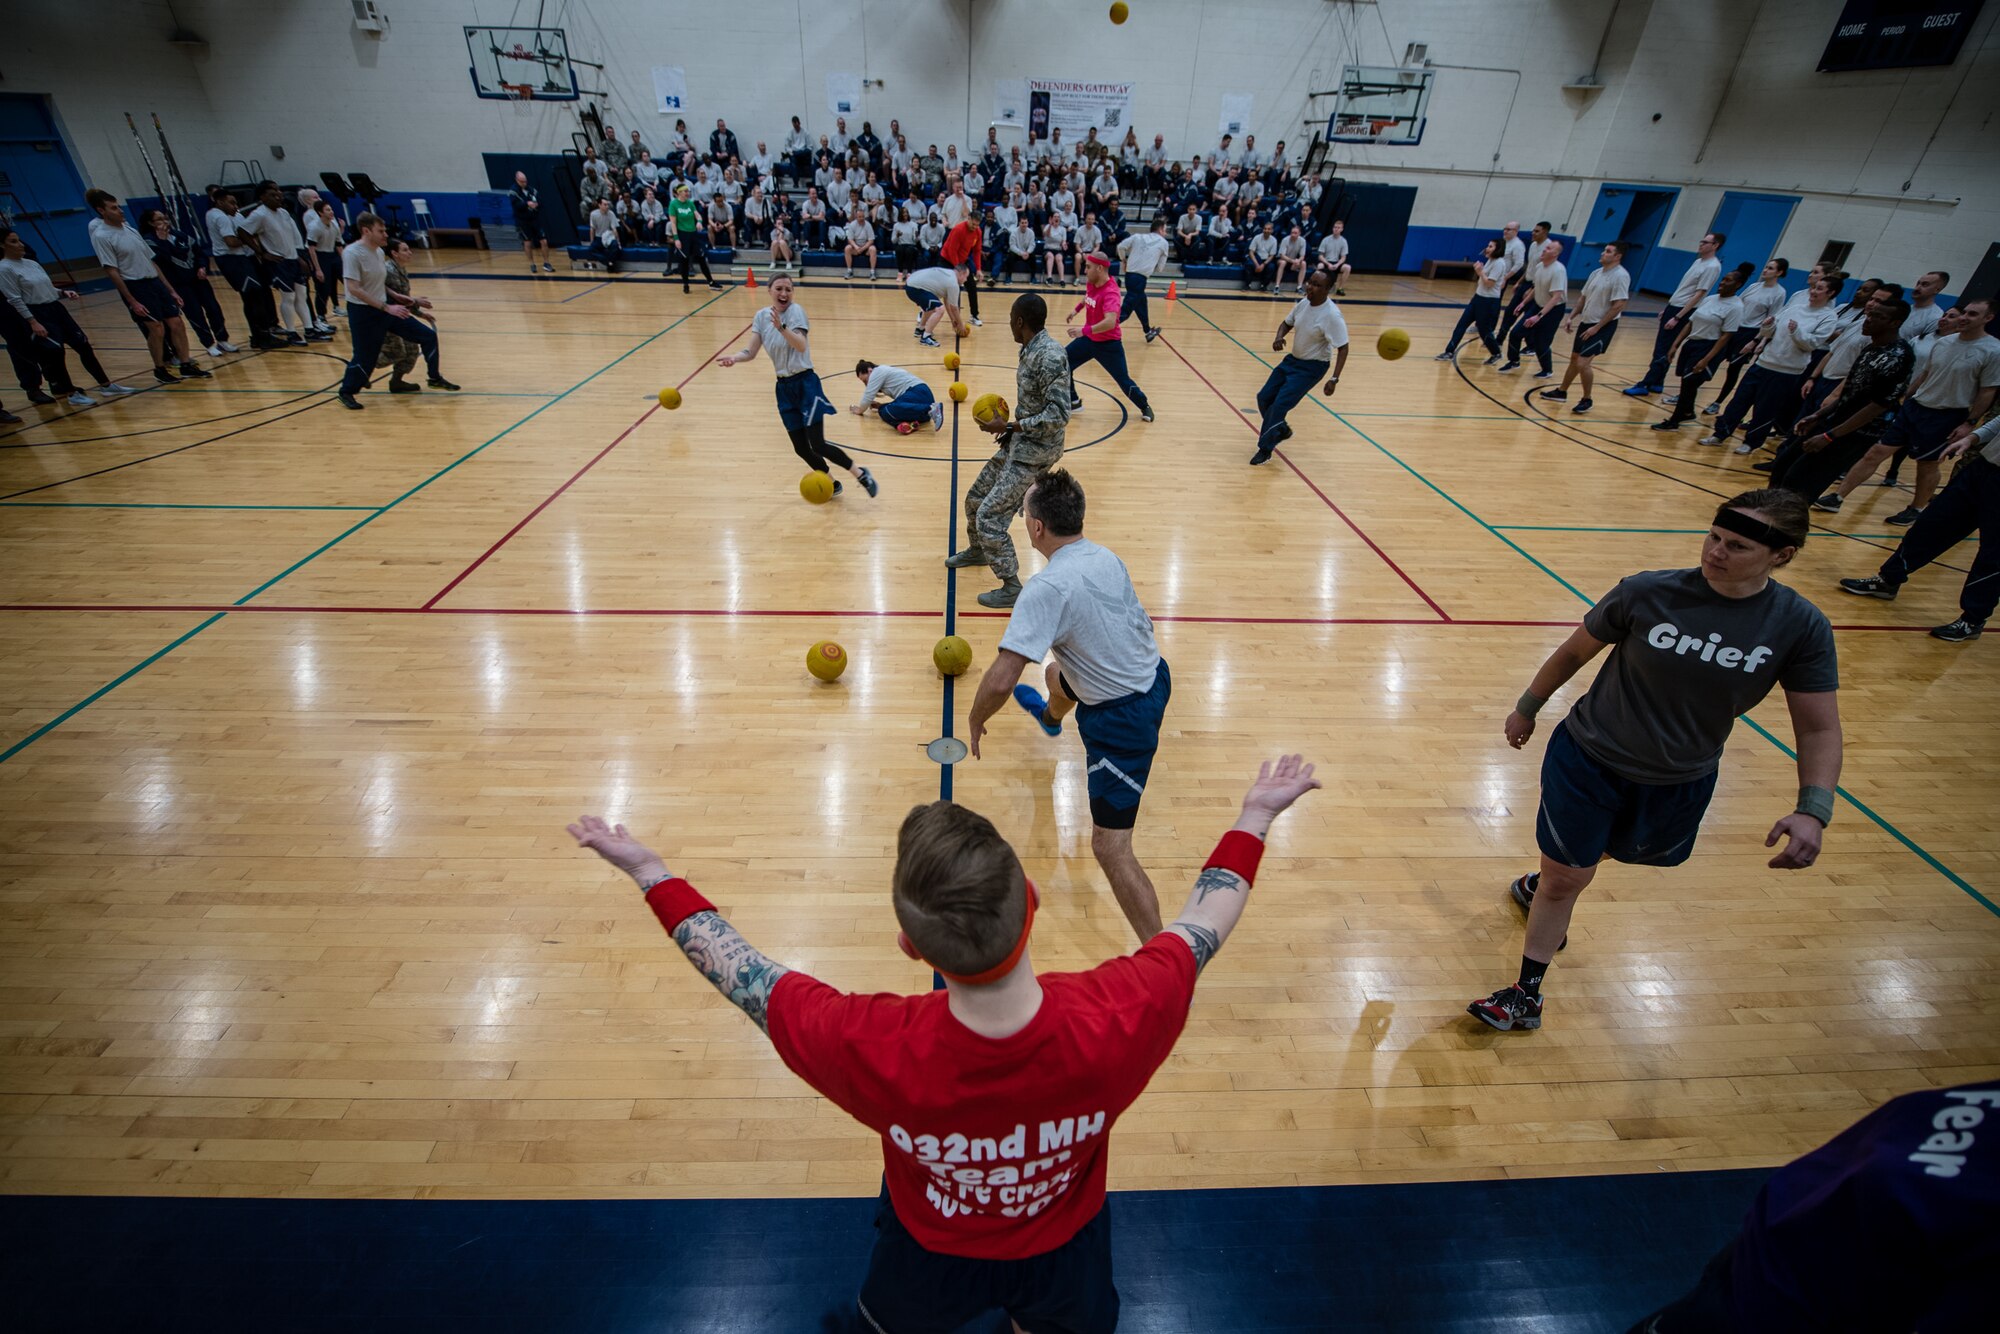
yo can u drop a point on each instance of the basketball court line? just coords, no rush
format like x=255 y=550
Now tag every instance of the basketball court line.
x=576 y=476
x=584 y=293
x=1879 y=821
x=951 y=595
x=154 y=505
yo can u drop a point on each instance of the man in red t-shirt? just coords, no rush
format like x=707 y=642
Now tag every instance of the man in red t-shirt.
x=995 y=1097
x=965 y=247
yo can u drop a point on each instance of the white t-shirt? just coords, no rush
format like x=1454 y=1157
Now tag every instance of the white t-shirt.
x=1715 y=316
x=1840 y=357
x=1922 y=321
x=956 y=209
x=903 y=233
x=784 y=357
x=123 y=251
x=1700 y=276
x=1263 y=246
x=603 y=226
x=1333 y=250
x=275 y=228
x=1762 y=302
x=366 y=271
x=1551 y=282
x=939 y=282
x=1021 y=241
x=1801 y=331
x=1601 y=290
x=1492 y=278
x=25 y=284
x=1292 y=247
x=222 y=226
x=1083 y=608
x=1516 y=256
x=859 y=233
x=888 y=382
x=1316 y=330
x=323 y=234
x=1958 y=370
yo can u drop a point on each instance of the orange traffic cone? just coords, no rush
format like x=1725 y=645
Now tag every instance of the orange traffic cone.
x=751 y=280
x=1170 y=289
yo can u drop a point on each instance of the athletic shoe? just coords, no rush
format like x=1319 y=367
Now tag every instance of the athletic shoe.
x=1545 y=375
x=1713 y=439
x=978 y=323
x=1828 y=503
x=1870 y=586
x=904 y=428
x=1746 y=448
x=1888 y=479
x=715 y=287
x=1146 y=413
x=1153 y=333
x=404 y=387
x=1958 y=631
x=214 y=350
x=1670 y=399
x=190 y=371
x=1582 y=405
x=351 y=403
x=1712 y=410
x=1340 y=291
x=1768 y=465
x=266 y=341
x=928 y=341
x=226 y=345
x=1638 y=391
x=1556 y=394
x=937 y=416
x=1490 y=360
x=966 y=557
x=116 y=389
x=546 y=268
x=295 y=339
x=1670 y=424
x=315 y=336
x=165 y=376
x=849 y=275
x=8 y=419
x=1508 y=1009
x=1445 y=356
x=868 y=484
x=81 y=400
x=323 y=327
x=439 y=382
x=1031 y=699
x=1904 y=517
x=836 y=488
x=1286 y=428
x=39 y=399
x=1075 y=404
x=1523 y=892
x=1003 y=597
x=1261 y=456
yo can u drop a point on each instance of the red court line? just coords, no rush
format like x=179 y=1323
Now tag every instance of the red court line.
x=849 y=614
x=1415 y=587
x=575 y=477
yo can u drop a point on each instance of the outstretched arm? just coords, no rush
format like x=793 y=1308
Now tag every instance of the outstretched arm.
x=732 y=964
x=1222 y=889
x=1570 y=657
x=996 y=687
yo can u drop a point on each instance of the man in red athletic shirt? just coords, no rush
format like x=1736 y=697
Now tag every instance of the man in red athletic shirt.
x=965 y=247
x=995 y=1097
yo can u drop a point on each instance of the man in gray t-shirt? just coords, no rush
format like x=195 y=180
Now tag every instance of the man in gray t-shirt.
x=1082 y=614
x=1629 y=774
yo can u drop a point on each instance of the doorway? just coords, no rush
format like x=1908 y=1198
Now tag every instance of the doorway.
x=1753 y=223
x=41 y=191
x=1634 y=214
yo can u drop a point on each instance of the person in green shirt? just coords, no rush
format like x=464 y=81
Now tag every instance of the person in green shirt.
x=687 y=237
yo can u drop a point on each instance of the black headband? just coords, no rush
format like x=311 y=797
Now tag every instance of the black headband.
x=1736 y=521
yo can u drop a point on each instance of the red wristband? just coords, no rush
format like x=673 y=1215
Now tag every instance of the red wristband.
x=674 y=900
x=1238 y=852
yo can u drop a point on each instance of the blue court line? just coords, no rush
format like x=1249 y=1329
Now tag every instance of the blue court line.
x=1282 y=303
x=134 y=505
x=102 y=691
x=1880 y=821
x=1686 y=532
x=315 y=555
x=950 y=590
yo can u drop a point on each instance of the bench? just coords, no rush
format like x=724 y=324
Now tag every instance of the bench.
x=473 y=237
x=652 y=254
x=1448 y=268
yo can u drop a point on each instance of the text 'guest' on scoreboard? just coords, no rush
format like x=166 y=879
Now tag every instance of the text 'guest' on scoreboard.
x=1898 y=34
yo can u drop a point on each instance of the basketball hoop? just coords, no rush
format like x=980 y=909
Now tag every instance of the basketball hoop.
x=518 y=91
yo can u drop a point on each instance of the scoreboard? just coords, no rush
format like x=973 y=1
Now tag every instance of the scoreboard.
x=1898 y=34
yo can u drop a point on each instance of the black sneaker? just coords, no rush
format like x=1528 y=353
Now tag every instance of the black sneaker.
x=1523 y=892
x=190 y=371
x=439 y=382
x=1888 y=479
x=1445 y=356
x=405 y=387
x=1557 y=394
x=868 y=484
x=1583 y=405
x=1153 y=333
x=39 y=398
x=1508 y=1009
x=1872 y=586
x=1146 y=413
x=1670 y=424
x=351 y=403
x=836 y=488
x=1828 y=503
x=1545 y=375
x=1904 y=517
x=1492 y=360
x=165 y=376
x=1510 y=367
x=1768 y=465
x=1958 y=631
x=1261 y=456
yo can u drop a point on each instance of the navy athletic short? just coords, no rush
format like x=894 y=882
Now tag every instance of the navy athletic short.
x=1120 y=737
x=1593 y=345
x=152 y=293
x=529 y=225
x=1064 y=1291
x=285 y=274
x=801 y=400
x=1921 y=430
x=1590 y=811
x=925 y=300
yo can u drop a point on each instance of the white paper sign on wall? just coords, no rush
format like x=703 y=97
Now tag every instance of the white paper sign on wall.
x=1010 y=101
x=843 y=94
x=670 y=88
x=1236 y=109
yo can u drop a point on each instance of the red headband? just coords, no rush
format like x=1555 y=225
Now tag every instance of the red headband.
x=1006 y=965
x=1098 y=258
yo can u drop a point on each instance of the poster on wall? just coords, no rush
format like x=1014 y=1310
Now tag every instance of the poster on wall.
x=843 y=94
x=670 y=89
x=1235 y=113
x=1074 y=107
x=1010 y=101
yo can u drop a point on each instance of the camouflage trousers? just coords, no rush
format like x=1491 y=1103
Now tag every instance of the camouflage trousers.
x=995 y=498
x=400 y=353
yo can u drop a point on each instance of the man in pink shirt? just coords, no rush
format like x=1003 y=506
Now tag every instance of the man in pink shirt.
x=994 y=1097
x=1100 y=339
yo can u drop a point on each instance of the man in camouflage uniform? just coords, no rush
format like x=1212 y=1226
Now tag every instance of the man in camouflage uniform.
x=1030 y=445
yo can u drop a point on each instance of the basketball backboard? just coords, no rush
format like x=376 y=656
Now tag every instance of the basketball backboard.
x=512 y=63
x=1380 y=105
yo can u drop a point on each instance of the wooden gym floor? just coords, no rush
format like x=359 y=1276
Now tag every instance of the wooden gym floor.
x=299 y=701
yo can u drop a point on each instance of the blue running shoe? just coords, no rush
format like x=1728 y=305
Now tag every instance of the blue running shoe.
x=1031 y=699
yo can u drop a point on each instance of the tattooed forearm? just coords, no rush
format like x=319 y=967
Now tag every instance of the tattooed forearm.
x=1202 y=940
x=1215 y=878
x=730 y=963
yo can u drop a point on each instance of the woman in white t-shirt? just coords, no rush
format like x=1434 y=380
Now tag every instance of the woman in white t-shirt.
x=1055 y=251
x=782 y=331
x=1770 y=393
x=1761 y=300
x=1482 y=312
x=1705 y=339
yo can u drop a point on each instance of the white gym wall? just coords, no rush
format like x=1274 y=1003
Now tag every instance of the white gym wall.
x=1733 y=84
